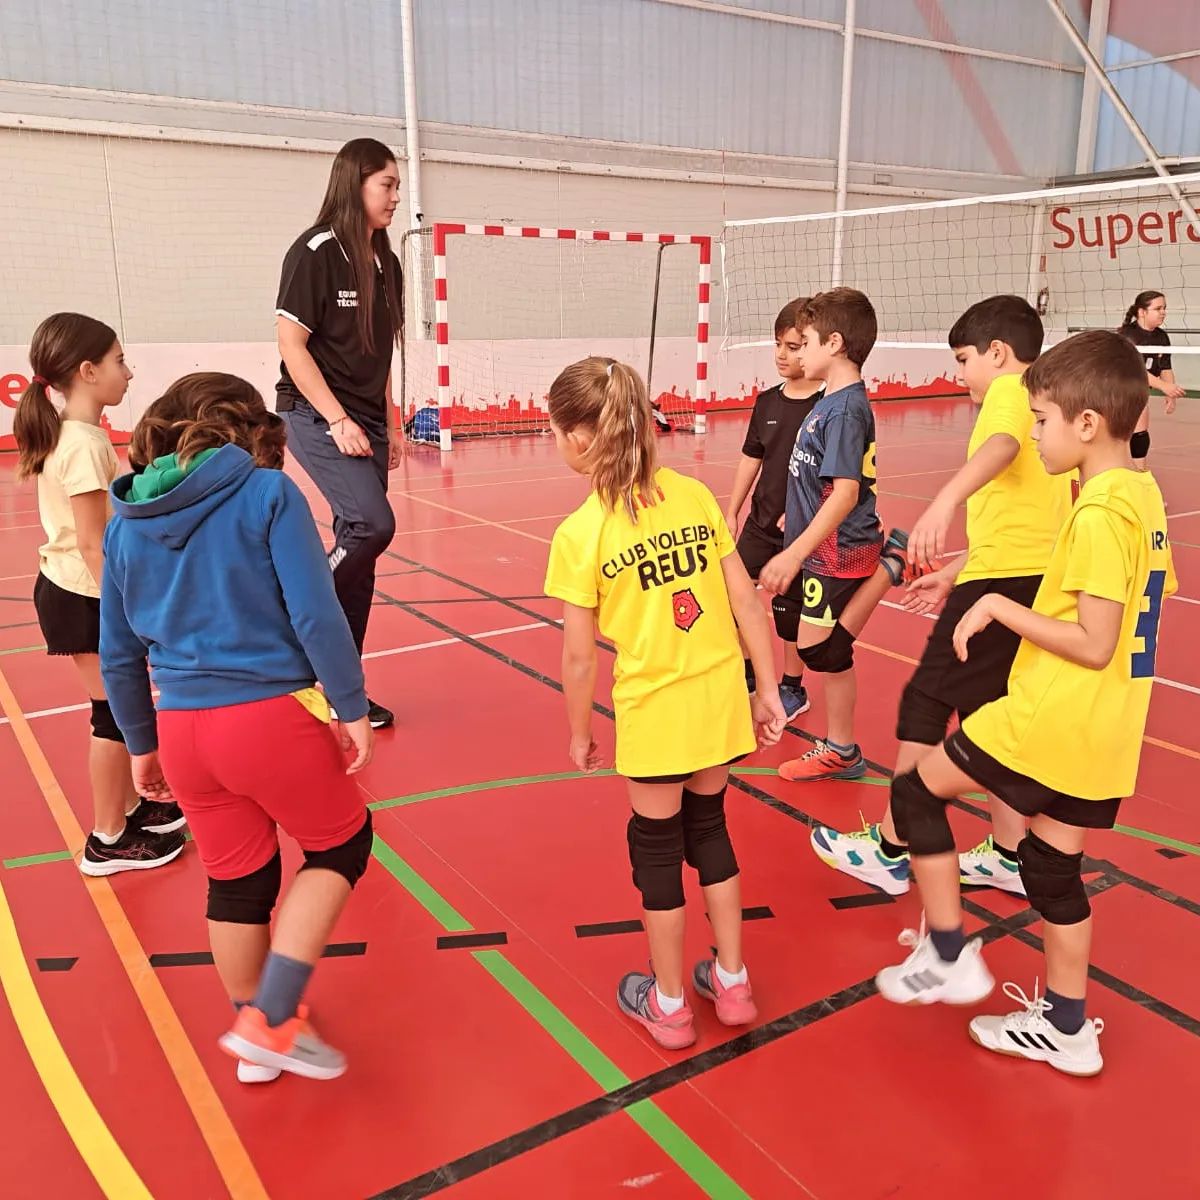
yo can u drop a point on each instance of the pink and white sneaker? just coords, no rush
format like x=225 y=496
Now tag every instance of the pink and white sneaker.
x=637 y=998
x=735 y=1005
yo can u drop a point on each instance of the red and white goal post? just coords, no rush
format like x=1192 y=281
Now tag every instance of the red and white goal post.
x=538 y=358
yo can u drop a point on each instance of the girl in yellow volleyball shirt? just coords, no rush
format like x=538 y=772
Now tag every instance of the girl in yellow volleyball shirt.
x=1062 y=747
x=649 y=561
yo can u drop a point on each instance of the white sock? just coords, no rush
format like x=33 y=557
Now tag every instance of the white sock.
x=108 y=839
x=668 y=1004
x=728 y=980
x=134 y=808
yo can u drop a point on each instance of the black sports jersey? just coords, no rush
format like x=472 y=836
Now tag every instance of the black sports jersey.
x=317 y=290
x=774 y=425
x=1156 y=364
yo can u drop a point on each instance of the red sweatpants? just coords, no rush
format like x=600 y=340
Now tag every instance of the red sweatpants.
x=241 y=772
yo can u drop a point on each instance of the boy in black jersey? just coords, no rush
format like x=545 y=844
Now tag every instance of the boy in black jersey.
x=779 y=412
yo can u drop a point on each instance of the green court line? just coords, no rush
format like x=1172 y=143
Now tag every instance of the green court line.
x=664 y=1132
x=1144 y=835
x=34 y=860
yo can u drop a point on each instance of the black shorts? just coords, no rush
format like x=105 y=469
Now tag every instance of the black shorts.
x=823 y=598
x=680 y=778
x=1027 y=796
x=70 y=622
x=756 y=548
x=943 y=684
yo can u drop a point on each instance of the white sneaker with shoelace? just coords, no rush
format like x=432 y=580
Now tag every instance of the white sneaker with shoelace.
x=1027 y=1034
x=924 y=977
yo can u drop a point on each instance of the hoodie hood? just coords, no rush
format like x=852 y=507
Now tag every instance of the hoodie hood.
x=169 y=504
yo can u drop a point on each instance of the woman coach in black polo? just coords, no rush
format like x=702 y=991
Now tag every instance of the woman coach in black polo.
x=338 y=316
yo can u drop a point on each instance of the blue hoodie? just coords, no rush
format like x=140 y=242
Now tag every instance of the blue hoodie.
x=224 y=584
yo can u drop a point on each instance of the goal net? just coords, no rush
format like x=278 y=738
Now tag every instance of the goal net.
x=494 y=312
x=1079 y=254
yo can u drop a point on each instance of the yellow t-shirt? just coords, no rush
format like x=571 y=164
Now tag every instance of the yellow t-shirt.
x=83 y=461
x=1071 y=728
x=679 y=686
x=1013 y=520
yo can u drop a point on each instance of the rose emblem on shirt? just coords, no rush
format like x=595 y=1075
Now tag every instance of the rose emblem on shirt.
x=686 y=609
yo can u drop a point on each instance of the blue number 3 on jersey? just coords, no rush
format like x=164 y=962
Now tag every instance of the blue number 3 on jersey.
x=1142 y=666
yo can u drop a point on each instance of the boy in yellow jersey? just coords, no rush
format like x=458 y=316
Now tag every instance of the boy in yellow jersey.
x=1015 y=510
x=1063 y=746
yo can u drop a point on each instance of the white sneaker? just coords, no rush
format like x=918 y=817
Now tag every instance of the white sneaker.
x=984 y=866
x=859 y=855
x=248 y=1072
x=1027 y=1034
x=924 y=978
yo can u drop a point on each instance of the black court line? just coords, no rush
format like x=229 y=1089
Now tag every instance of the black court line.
x=203 y=958
x=466 y=941
x=758 y=912
x=608 y=928
x=1168 y=853
x=863 y=900
x=56 y=964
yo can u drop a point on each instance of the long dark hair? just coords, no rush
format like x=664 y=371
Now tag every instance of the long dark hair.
x=61 y=344
x=342 y=211
x=1140 y=301
x=205 y=411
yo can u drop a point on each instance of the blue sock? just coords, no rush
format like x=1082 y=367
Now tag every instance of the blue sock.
x=948 y=943
x=279 y=989
x=850 y=751
x=1065 y=1014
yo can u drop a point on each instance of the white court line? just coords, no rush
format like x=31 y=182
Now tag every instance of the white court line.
x=487 y=633
x=1195 y=512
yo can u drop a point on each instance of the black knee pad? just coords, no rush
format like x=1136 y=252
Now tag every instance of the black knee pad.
x=786 y=612
x=104 y=725
x=349 y=860
x=833 y=656
x=1053 y=881
x=706 y=845
x=920 y=817
x=922 y=719
x=656 y=855
x=1139 y=444
x=248 y=900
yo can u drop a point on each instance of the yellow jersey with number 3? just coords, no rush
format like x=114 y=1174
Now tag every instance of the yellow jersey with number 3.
x=1014 y=519
x=1070 y=727
x=679 y=687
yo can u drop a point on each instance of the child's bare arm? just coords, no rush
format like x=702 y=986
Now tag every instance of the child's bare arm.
x=776 y=577
x=927 y=540
x=751 y=620
x=579 y=682
x=743 y=481
x=1089 y=642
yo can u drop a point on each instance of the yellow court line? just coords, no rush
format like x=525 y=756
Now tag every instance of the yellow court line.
x=1165 y=745
x=458 y=512
x=99 y=1150
x=230 y=1156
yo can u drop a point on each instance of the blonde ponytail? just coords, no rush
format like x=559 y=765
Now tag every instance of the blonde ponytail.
x=609 y=398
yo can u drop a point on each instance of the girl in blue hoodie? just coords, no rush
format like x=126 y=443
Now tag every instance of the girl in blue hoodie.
x=217 y=587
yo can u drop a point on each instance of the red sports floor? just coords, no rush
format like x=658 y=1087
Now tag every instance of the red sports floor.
x=472 y=979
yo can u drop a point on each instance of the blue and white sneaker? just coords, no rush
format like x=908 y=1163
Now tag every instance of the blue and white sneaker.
x=794 y=700
x=859 y=856
x=983 y=866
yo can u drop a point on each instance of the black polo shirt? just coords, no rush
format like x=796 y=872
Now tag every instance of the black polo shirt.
x=774 y=426
x=1143 y=339
x=317 y=290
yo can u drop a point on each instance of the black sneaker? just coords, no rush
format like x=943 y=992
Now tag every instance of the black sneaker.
x=134 y=850
x=156 y=816
x=380 y=717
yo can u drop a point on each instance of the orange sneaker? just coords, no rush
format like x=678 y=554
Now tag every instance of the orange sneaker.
x=823 y=762
x=292 y=1046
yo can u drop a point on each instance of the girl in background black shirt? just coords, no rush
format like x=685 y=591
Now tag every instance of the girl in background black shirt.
x=1143 y=326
